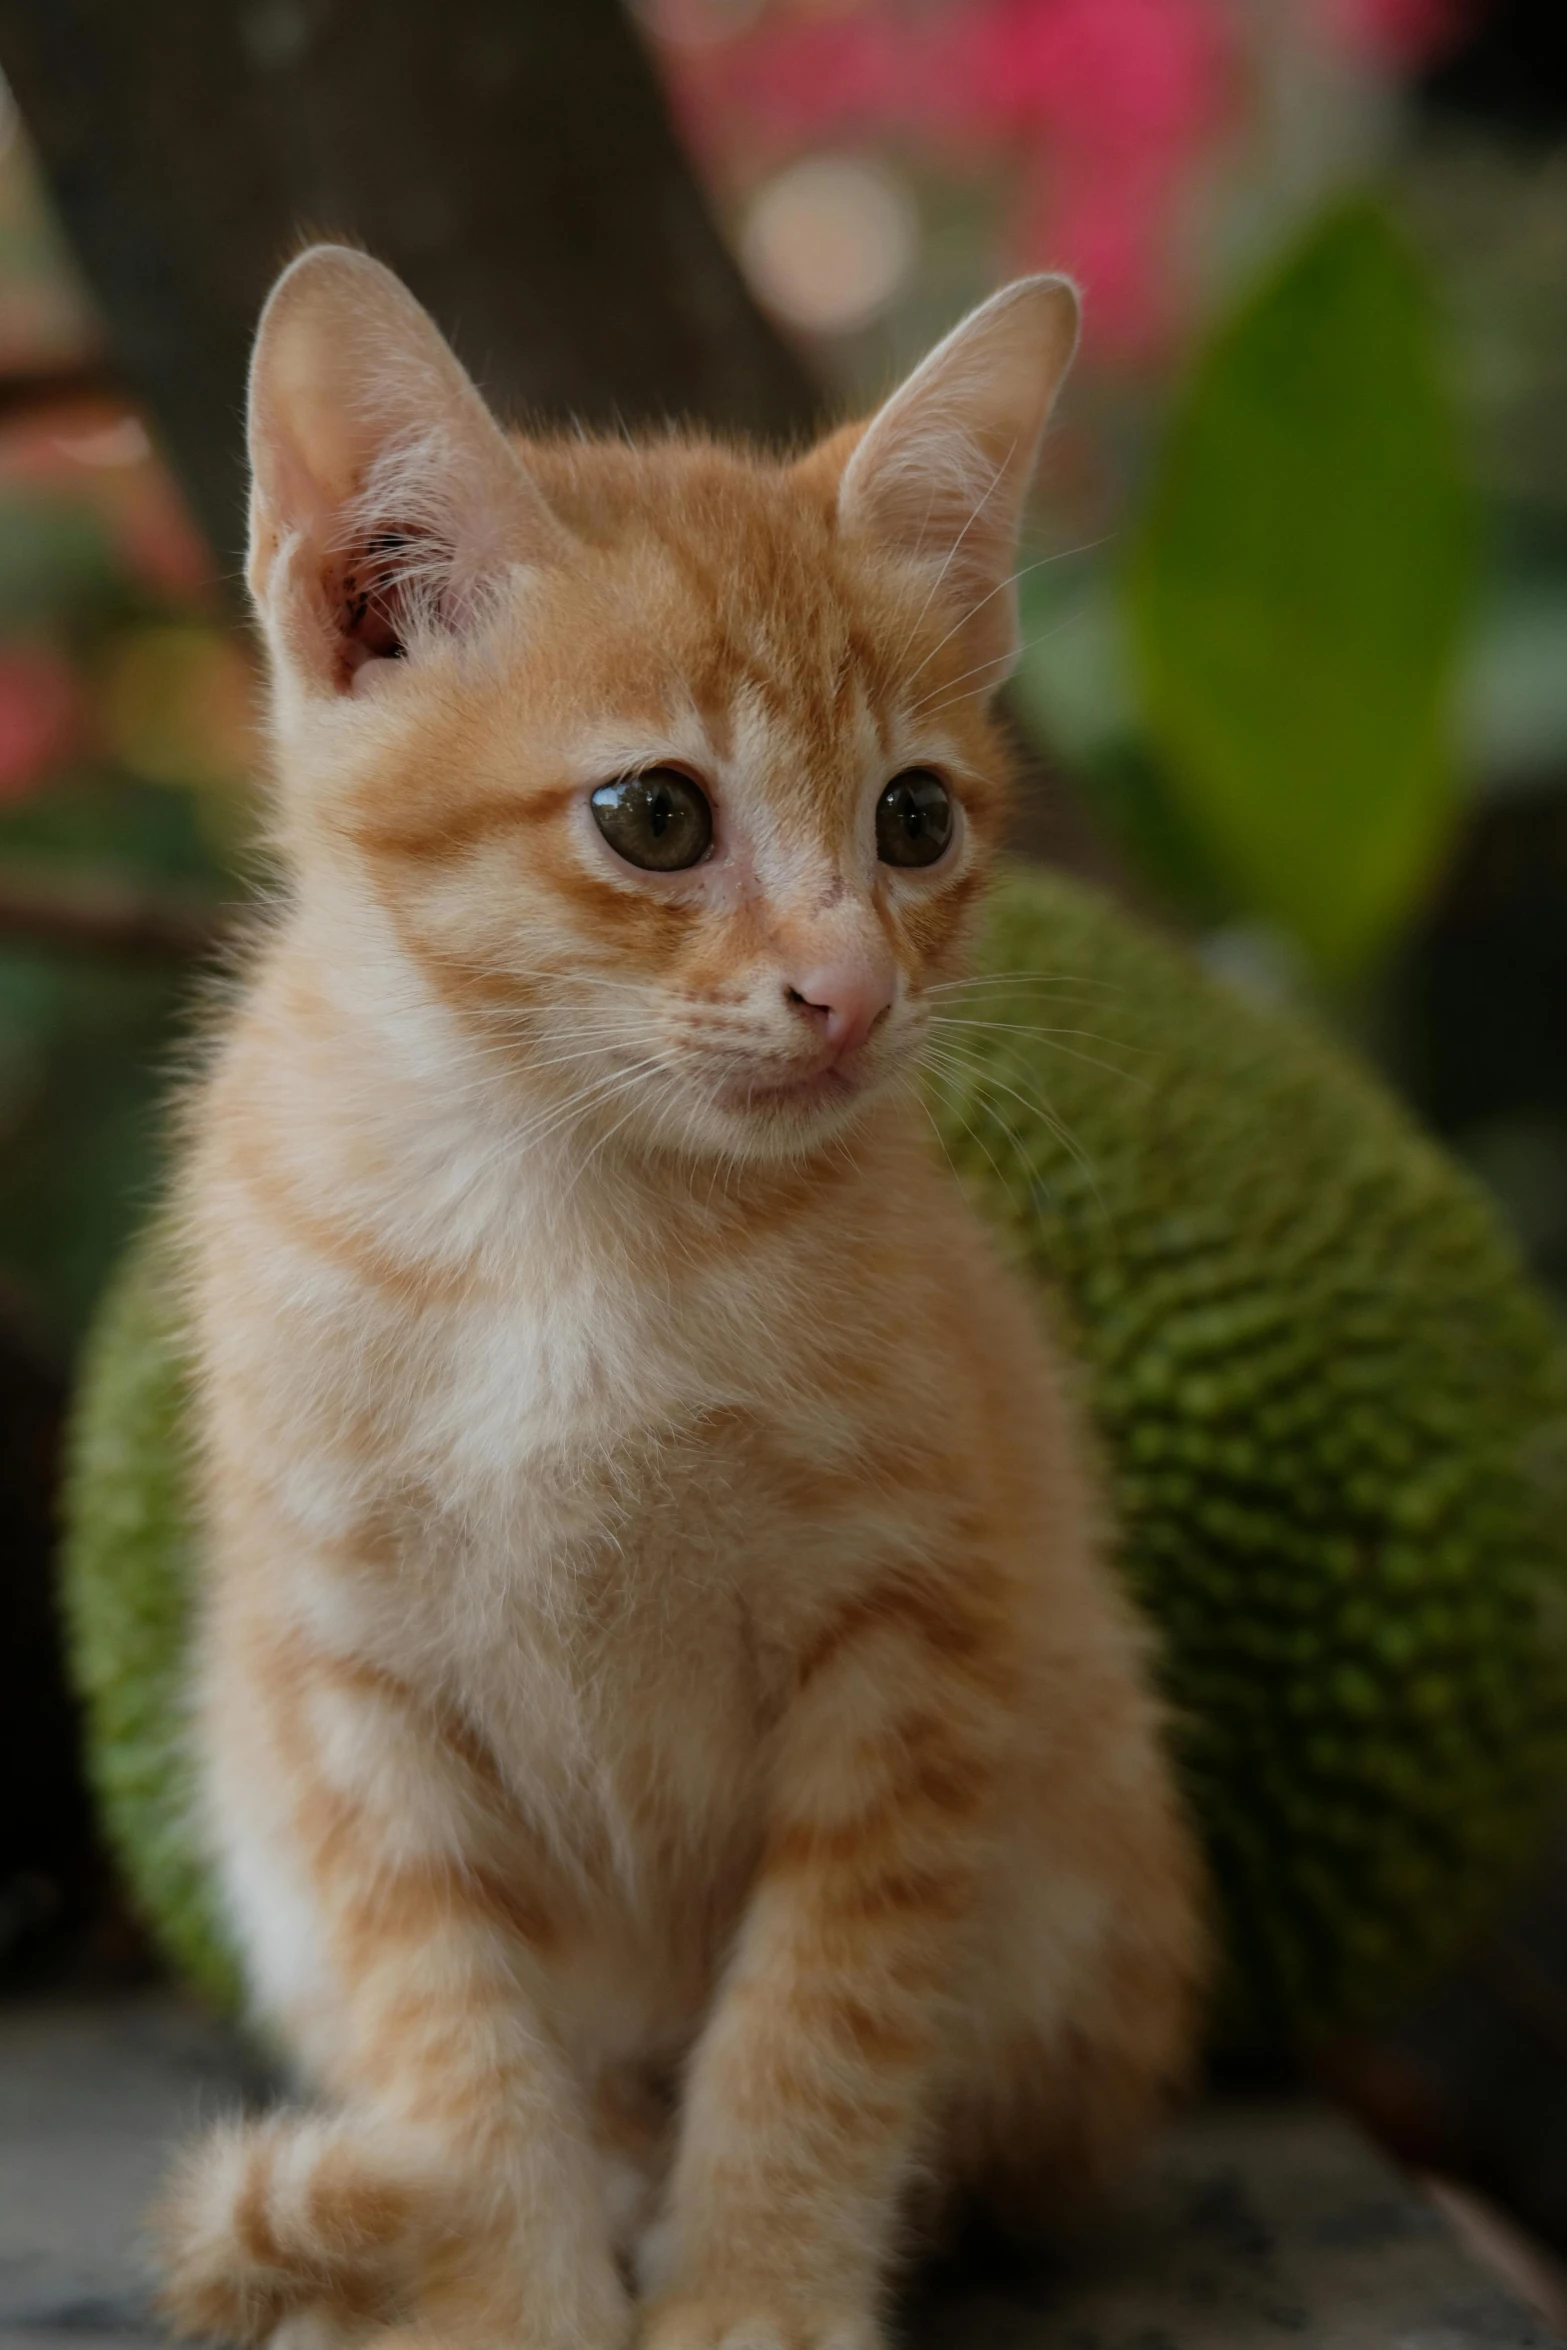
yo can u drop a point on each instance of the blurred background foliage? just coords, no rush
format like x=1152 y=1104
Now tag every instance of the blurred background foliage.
x=126 y=755
x=1296 y=606
x=1297 y=591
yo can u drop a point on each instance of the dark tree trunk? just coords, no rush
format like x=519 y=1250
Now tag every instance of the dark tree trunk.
x=513 y=160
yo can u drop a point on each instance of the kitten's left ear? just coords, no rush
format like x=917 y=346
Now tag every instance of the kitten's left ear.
x=384 y=495
x=940 y=473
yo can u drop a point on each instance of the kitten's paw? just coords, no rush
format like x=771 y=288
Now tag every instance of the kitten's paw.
x=754 y=2321
x=320 y=2327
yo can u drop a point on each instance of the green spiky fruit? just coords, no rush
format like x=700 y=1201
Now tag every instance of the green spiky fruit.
x=1335 y=1420
x=127 y=1580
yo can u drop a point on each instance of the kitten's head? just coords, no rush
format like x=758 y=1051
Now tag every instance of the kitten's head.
x=669 y=768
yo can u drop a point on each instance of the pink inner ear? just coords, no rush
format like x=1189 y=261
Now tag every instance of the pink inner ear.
x=373 y=600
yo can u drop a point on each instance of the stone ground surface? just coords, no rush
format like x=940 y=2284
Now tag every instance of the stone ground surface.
x=1257 y=2226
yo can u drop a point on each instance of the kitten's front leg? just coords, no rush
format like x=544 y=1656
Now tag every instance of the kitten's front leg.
x=809 y=2088
x=456 y=2190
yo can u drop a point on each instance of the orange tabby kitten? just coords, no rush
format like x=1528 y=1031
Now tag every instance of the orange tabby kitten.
x=683 y=1773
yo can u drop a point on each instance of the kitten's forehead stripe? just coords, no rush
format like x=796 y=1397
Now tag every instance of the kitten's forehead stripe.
x=776 y=609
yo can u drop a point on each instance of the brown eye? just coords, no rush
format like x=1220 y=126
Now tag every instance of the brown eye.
x=659 y=820
x=913 y=818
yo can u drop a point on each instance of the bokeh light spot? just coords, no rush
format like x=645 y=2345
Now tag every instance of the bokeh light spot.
x=829 y=242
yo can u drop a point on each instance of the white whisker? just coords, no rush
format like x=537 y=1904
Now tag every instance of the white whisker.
x=1051 y=1037
x=1087 y=548
x=950 y=1079
x=952 y=552
x=975 y=1071
x=1025 y=979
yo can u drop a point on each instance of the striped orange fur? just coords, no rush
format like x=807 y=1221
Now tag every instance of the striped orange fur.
x=685 y=1779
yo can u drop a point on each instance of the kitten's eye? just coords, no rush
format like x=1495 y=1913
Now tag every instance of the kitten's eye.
x=659 y=820
x=913 y=818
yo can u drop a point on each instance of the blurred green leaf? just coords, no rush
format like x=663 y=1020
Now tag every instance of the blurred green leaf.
x=87 y=1044
x=105 y=821
x=1075 y=687
x=57 y=568
x=1299 y=586
x=85 y=1055
x=1074 y=677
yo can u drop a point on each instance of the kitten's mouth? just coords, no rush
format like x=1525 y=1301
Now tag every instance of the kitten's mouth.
x=811 y=1089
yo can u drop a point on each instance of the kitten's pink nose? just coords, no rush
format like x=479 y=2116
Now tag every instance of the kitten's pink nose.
x=844 y=1001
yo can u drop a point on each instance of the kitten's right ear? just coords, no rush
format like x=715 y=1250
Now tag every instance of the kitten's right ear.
x=385 y=499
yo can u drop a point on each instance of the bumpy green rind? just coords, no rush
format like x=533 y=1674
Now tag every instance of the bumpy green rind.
x=1336 y=1423
x=1336 y=1418
x=127 y=1582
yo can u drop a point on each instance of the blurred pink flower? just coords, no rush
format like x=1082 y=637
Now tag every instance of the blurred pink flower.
x=1110 y=105
x=795 y=81
x=1112 y=234
x=1105 y=112
x=1105 y=74
x=1101 y=106
x=1398 y=35
x=40 y=715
